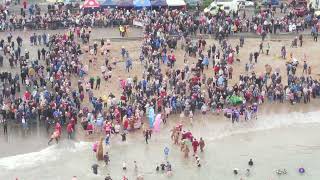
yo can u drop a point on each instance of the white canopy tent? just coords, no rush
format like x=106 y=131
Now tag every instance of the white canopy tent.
x=175 y=3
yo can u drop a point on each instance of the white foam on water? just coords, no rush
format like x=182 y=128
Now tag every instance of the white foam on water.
x=266 y=122
x=51 y=153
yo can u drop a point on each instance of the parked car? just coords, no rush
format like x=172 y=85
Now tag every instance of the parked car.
x=244 y=3
x=227 y=6
x=213 y=9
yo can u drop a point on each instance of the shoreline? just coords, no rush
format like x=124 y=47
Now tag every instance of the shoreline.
x=291 y=153
x=217 y=123
x=264 y=111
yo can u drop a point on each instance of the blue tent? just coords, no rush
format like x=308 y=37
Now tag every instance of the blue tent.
x=141 y=3
x=125 y=3
x=109 y=3
x=158 y=3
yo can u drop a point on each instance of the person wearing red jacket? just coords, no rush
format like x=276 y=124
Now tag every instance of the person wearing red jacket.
x=25 y=4
x=195 y=145
x=58 y=128
x=70 y=129
x=90 y=128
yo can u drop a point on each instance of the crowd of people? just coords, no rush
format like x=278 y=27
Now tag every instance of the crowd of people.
x=264 y=20
x=56 y=88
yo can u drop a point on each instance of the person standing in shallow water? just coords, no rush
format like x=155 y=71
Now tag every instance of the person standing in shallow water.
x=5 y=126
x=95 y=168
x=250 y=163
x=146 y=136
x=202 y=144
x=186 y=152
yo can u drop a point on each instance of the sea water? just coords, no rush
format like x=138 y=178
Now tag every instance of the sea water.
x=287 y=141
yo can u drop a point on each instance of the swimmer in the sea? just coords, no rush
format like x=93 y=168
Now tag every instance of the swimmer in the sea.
x=250 y=163
x=248 y=172
x=124 y=166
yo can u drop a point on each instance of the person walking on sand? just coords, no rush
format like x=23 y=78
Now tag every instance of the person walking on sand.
x=128 y=64
x=98 y=82
x=261 y=47
x=268 y=48
x=309 y=70
x=305 y=68
x=300 y=39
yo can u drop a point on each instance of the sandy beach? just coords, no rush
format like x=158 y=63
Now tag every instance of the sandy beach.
x=307 y=52
x=284 y=135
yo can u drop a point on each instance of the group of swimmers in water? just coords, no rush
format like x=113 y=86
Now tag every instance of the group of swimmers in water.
x=236 y=171
x=278 y=171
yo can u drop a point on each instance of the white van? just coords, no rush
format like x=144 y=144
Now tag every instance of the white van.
x=226 y=5
x=213 y=9
x=316 y=5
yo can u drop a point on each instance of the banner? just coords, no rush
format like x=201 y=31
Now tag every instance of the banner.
x=138 y=23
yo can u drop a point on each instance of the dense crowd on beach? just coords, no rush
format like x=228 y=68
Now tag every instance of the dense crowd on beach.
x=50 y=94
x=43 y=88
x=176 y=22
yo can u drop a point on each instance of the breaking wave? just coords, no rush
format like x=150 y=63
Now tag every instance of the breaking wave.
x=51 y=153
